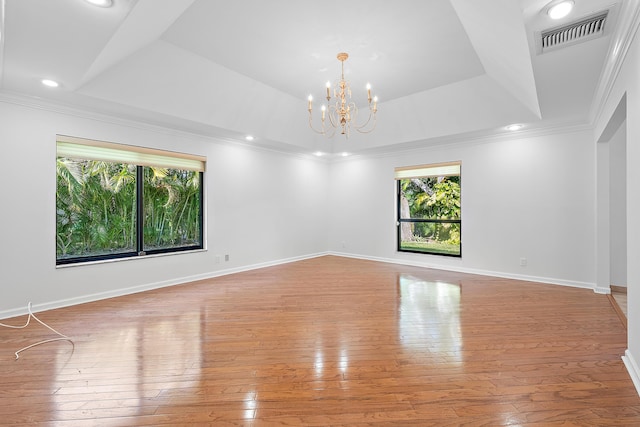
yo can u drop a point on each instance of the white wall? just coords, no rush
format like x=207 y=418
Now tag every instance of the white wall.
x=530 y=198
x=262 y=208
x=603 y=209
x=627 y=84
x=618 y=206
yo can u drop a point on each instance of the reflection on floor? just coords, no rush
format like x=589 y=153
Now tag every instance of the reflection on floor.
x=326 y=341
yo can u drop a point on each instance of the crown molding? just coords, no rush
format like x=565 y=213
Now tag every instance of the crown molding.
x=418 y=146
x=626 y=30
x=466 y=140
x=88 y=114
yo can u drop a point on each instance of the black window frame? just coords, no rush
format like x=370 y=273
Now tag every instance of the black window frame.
x=400 y=220
x=140 y=251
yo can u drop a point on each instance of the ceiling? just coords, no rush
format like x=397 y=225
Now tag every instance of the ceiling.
x=443 y=70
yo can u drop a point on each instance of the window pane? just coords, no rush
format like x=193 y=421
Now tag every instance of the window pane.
x=430 y=237
x=430 y=198
x=95 y=208
x=172 y=217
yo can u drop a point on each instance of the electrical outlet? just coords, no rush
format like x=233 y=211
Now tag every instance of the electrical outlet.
x=217 y=259
x=523 y=262
x=226 y=257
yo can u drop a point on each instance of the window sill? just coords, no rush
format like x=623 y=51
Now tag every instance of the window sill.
x=107 y=261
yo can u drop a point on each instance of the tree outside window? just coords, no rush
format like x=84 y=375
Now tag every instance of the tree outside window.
x=429 y=209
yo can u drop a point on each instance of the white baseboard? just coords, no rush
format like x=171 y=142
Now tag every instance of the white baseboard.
x=5 y=314
x=539 y=279
x=187 y=279
x=632 y=368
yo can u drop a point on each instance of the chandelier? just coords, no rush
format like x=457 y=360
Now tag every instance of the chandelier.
x=342 y=112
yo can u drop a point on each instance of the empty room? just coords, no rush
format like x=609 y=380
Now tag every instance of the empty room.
x=296 y=213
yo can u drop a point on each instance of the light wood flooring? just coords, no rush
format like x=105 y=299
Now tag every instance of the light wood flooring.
x=326 y=341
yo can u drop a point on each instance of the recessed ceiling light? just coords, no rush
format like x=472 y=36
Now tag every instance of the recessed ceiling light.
x=344 y=154
x=249 y=137
x=49 y=83
x=318 y=153
x=101 y=3
x=514 y=127
x=560 y=10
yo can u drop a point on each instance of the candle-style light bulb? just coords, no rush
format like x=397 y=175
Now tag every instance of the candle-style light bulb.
x=324 y=109
x=375 y=103
x=310 y=102
x=369 y=92
x=328 y=91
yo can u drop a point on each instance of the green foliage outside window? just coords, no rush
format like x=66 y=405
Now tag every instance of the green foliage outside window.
x=432 y=204
x=171 y=208
x=96 y=208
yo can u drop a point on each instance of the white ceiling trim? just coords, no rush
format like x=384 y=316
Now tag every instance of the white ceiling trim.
x=422 y=146
x=85 y=114
x=477 y=104
x=628 y=24
x=466 y=140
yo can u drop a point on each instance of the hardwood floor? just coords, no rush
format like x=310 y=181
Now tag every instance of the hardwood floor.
x=326 y=341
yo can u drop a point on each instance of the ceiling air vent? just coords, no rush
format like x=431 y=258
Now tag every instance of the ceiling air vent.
x=575 y=32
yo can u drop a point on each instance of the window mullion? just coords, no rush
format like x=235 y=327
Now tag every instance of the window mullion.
x=140 y=210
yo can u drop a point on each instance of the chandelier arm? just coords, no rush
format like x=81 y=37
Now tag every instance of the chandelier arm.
x=355 y=116
x=329 y=133
x=353 y=109
x=372 y=127
x=333 y=110
x=364 y=125
x=361 y=128
x=321 y=132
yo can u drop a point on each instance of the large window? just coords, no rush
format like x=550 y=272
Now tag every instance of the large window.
x=429 y=208
x=115 y=201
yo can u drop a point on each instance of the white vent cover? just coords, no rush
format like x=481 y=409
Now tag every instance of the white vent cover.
x=572 y=33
